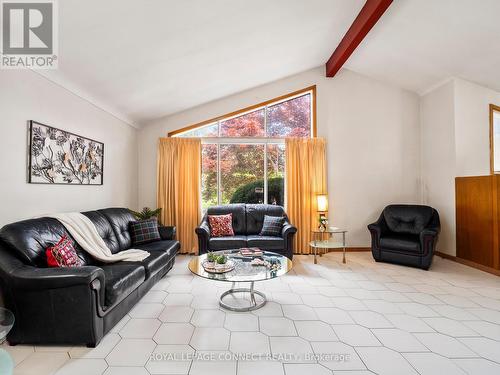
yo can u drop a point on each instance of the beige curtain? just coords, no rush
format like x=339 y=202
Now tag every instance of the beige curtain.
x=305 y=178
x=178 y=187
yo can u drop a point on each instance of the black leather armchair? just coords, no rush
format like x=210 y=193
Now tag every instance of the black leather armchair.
x=247 y=224
x=405 y=234
x=75 y=305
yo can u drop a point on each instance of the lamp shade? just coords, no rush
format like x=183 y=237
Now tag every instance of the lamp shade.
x=322 y=202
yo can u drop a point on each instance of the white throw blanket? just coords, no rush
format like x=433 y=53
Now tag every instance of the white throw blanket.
x=85 y=234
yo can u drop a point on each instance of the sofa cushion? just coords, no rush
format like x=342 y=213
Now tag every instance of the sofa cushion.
x=266 y=242
x=272 y=226
x=120 y=219
x=411 y=219
x=226 y=243
x=63 y=254
x=104 y=229
x=160 y=254
x=121 y=279
x=221 y=225
x=255 y=216
x=401 y=242
x=239 y=216
x=144 y=231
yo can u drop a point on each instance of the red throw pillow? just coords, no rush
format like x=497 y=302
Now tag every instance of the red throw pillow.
x=63 y=254
x=221 y=225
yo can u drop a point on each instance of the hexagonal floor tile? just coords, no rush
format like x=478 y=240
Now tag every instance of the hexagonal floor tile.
x=176 y=314
x=170 y=359
x=355 y=335
x=315 y=331
x=292 y=349
x=208 y=318
x=241 y=322
x=333 y=315
x=399 y=340
x=277 y=326
x=260 y=367
x=140 y=328
x=249 y=342
x=299 y=312
x=83 y=367
x=178 y=299
x=337 y=356
x=385 y=361
x=174 y=333
x=444 y=345
x=131 y=352
x=210 y=339
x=305 y=368
x=431 y=363
x=486 y=348
x=147 y=310
x=370 y=319
x=449 y=327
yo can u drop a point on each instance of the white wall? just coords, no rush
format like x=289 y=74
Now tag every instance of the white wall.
x=373 y=138
x=455 y=142
x=439 y=161
x=25 y=95
x=472 y=127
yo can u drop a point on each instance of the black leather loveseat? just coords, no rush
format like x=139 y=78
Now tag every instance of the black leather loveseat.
x=405 y=234
x=75 y=305
x=247 y=224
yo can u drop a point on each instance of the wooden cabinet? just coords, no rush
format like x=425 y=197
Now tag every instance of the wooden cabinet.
x=477 y=219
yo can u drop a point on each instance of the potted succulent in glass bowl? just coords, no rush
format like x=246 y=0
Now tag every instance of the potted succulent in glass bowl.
x=220 y=263
x=211 y=258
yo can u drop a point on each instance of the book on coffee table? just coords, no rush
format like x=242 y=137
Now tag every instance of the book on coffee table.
x=251 y=252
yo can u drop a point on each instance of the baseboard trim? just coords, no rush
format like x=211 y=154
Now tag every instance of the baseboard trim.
x=469 y=263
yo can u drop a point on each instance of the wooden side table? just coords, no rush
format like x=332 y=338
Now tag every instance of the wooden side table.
x=319 y=242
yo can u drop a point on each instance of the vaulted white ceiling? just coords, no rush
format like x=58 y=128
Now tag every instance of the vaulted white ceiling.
x=141 y=60
x=418 y=44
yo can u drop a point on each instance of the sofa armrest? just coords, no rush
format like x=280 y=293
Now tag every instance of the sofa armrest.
x=34 y=278
x=19 y=275
x=167 y=232
x=287 y=230
x=428 y=240
x=203 y=232
x=377 y=229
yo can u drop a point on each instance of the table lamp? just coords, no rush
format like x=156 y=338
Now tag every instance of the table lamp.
x=322 y=200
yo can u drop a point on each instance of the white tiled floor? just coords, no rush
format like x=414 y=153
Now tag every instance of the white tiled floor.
x=359 y=318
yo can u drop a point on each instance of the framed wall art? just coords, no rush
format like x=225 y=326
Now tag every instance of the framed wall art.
x=60 y=157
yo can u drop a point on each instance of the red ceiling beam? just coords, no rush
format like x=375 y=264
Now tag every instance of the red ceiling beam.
x=366 y=19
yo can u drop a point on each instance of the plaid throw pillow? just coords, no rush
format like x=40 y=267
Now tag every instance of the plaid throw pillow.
x=272 y=226
x=144 y=231
x=63 y=254
x=221 y=225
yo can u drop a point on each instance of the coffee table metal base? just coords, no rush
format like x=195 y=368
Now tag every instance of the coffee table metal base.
x=253 y=304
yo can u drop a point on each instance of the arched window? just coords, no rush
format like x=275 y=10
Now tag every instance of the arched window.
x=243 y=152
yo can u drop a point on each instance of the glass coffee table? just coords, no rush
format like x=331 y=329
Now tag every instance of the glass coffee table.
x=243 y=272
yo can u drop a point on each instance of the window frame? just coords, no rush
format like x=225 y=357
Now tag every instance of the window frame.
x=255 y=107
x=265 y=141
x=493 y=109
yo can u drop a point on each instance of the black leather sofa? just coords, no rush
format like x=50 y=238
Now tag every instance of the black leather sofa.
x=405 y=234
x=75 y=305
x=247 y=224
